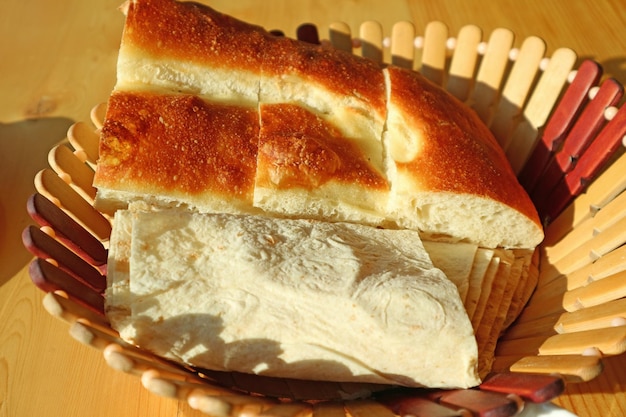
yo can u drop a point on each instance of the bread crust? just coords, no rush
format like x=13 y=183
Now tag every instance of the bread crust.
x=178 y=145
x=458 y=153
x=199 y=34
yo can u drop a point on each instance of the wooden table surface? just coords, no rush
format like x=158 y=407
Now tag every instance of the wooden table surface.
x=57 y=59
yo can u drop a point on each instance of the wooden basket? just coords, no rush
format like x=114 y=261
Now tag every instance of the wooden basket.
x=562 y=129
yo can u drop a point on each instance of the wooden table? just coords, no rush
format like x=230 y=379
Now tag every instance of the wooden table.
x=57 y=60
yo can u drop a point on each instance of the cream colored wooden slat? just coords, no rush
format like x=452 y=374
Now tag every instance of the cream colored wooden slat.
x=433 y=65
x=610 y=341
x=371 y=37
x=73 y=171
x=596 y=293
x=539 y=107
x=212 y=404
x=340 y=36
x=604 y=219
x=597 y=317
x=588 y=252
x=48 y=183
x=491 y=73
x=517 y=89
x=97 y=115
x=609 y=264
x=63 y=308
x=599 y=193
x=85 y=141
x=574 y=368
x=403 y=44
x=463 y=63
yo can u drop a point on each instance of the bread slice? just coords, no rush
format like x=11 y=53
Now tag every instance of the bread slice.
x=173 y=149
x=292 y=298
x=320 y=148
x=448 y=174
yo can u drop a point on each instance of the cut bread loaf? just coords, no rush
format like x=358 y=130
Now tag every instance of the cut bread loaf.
x=289 y=298
x=314 y=133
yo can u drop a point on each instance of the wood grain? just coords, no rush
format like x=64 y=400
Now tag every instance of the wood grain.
x=58 y=61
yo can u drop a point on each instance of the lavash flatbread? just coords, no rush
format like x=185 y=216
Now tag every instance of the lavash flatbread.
x=291 y=298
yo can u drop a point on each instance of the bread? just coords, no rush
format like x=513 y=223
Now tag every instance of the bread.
x=448 y=174
x=288 y=298
x=338 y=138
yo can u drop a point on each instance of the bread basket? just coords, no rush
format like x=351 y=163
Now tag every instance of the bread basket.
x=561 y=127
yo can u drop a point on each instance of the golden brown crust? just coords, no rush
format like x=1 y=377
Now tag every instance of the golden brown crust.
x=458 y=153
x=341 y=73
x=178 y=144
x=193 y=32
x=299 y=149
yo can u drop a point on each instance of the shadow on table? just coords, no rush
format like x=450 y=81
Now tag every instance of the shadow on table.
x=24 y=148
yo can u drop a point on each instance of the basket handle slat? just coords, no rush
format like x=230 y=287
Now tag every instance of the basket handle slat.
x=403 y=44
x=48 y=183
x=539 y=107
x=591 y=163
x=371 y=37
x=50 y=278
x=44 y=246
x=46 y=213
x=66 y=163
x=340 y=36
x=587 y=125
x=563 y=117
x=463 y=62
x=433 y=64
x=517 y=88
x=491 y=73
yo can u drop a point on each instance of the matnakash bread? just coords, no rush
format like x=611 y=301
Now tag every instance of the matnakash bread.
x=256 y=176
x=336 y=137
